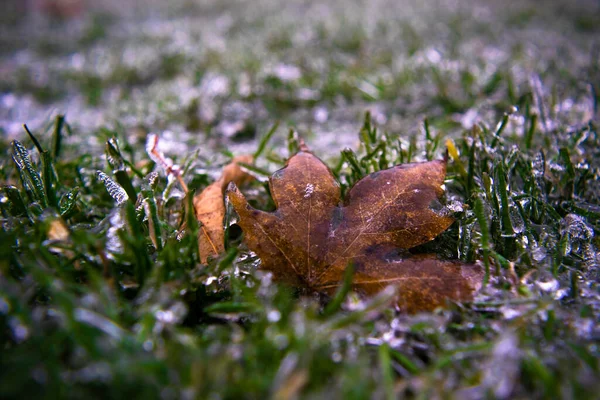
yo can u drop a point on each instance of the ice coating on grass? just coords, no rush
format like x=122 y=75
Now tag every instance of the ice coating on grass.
x=113 y=242
x=114 y=189
x=517 y=221
x=577 y=227
x=99 y=321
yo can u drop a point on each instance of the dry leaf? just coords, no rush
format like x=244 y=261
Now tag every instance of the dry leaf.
x=59 y=234
x=58 y=231
x=210 y=208
x=312 y=237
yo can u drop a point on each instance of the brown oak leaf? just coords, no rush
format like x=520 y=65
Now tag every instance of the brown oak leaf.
x=313 y=236
x=210 y=208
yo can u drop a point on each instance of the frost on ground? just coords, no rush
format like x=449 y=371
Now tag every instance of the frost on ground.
x=118 y=302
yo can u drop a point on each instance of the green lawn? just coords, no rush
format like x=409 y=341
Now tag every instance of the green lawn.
x=100 y=294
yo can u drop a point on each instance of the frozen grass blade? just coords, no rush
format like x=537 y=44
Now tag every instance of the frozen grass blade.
x=499 y=130
x=152 y=213
x=114 y=189
x=68 y=202
x=117 y=162
x=31 y=178
x=501 y=189
x=485 y=237
x=48 y=174
x=16 y=206
x=59 y=123
x=568 y=182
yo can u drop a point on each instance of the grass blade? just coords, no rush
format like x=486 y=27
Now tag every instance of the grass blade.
x=385 y=363
x=114 y=189
x=485 y=237
x=31 y=178
x=265 y=140
x=16 y=206
x=68 y=202
x=152 y=214
x=350 y=157
x=48 y=174
x=501 y=189
x=335 y=304
x=57 y=136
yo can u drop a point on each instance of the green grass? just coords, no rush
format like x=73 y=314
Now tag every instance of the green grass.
x=121 y=307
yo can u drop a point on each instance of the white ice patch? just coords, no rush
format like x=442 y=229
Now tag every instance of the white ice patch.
x=310 y=188
x=287 y=73
x=548 y=286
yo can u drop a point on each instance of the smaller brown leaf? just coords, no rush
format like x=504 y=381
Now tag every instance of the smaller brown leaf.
x=58 y=231
x=59 y=235
x=210 y=208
